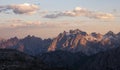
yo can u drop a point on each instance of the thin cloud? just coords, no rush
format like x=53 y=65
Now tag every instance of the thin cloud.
x=22 y=23
x=81 y=12
x=25 y=8
x=26 y=24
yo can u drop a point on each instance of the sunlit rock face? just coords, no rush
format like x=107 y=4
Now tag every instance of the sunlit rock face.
x=80 y=41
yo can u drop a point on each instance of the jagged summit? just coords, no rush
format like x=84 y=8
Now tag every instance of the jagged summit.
x=30 y=36
x=110 y=33
x=118 y=33
x=74 y=32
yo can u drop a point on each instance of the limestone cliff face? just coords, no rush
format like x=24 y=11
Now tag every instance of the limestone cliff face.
x=80 y=41
x=69 y=40
x=53 y=45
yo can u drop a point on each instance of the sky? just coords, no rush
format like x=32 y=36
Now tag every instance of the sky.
x=48 y=18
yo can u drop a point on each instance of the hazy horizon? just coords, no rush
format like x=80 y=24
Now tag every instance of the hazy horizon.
x=46 y=19
x=47 y=36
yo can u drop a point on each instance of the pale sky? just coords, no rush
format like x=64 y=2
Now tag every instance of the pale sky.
x=48 y=18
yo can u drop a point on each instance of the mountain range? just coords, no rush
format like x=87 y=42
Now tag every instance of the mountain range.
x=72 y=41
x=73 y=50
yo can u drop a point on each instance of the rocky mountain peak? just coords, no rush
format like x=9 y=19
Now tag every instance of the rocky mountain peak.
x=13 y=39
x=110 y=33
x=118 y=34
x=77 y=40
x=31 y=37
x=98 y=36
x=77 y=31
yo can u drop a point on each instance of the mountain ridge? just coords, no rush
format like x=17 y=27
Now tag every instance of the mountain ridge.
x=73 y=41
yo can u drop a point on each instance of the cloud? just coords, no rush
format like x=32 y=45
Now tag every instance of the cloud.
x=81 y=12
x=26 y=24
x=25 y=8
x=22 y=23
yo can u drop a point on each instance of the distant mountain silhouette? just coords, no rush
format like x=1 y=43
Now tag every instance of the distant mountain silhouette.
x=30 y=44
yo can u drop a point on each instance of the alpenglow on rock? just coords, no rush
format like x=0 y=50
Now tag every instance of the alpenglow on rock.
x=80 y=41
x=72 y=41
